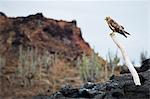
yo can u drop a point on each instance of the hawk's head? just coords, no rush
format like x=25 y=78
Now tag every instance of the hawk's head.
x=108 y=18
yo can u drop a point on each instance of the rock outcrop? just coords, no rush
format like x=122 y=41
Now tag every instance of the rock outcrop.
x=118 y=87
x=57 y=36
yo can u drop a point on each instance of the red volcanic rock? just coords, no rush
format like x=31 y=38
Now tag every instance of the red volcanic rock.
x=57 y=36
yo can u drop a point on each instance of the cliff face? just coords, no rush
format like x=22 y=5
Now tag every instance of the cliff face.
x=59 y=37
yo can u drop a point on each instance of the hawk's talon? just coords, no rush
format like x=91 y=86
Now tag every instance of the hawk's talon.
x=112 y=34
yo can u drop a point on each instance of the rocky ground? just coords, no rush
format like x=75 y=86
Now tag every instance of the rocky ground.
x=118 y=87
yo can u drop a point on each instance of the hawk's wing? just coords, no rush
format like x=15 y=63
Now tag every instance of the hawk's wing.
x=110 y=26
x=114 y=24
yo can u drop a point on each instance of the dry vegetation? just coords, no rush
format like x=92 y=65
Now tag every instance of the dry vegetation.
x=39 y=72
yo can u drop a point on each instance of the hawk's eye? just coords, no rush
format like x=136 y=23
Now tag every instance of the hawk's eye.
x=106 y=18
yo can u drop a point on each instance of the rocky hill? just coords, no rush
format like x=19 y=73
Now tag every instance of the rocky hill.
x=38 y=55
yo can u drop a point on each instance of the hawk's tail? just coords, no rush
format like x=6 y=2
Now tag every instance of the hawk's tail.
x=126 y=32
x=124 y=35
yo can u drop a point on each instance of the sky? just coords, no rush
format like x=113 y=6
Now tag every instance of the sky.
x=134 y=15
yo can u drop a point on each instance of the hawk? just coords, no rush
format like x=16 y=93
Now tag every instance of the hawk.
x=115 y=27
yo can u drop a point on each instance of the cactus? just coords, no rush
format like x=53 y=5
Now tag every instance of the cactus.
x=32 y=64
x=90 y=68
x=113 y=61
x=2 y=63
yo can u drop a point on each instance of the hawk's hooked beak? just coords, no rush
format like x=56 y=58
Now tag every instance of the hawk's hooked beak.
x=106 y=18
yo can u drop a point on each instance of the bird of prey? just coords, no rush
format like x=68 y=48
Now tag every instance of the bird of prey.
x=115 y=27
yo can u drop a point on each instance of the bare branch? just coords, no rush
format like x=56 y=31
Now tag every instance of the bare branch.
x=127 y=60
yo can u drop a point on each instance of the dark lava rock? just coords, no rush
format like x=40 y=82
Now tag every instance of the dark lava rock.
x=69 y=91
x=145 y=66
x=118 y=87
